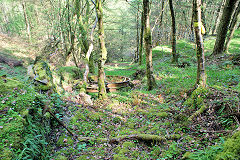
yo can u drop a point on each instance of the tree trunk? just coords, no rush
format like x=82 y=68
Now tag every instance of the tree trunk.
x=223 y=26
x=28 y=27
x=141 y=40
x=174 y=52
x=148 y=45
x=219 y=14
x=103 y=54
x=137 y=37
x=233 y=27
x=201 y=76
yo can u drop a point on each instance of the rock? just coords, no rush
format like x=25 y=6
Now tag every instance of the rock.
x=84 y=98
x=30 y=71
x=42 y=76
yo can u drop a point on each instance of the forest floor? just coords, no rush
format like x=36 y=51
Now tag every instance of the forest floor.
x=135 y=123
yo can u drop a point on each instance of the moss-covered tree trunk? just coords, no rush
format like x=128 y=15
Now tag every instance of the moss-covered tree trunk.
x=201 y=75
x=233 y=27
x=148 y=44
x=223 y=26
x=136 y=58
x=103 y=53
x=141 y=41
x=174 y=52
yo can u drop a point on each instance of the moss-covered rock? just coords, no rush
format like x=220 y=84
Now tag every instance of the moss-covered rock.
x=43 y=76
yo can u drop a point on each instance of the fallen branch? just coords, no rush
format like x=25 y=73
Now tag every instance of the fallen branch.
x=221 y=131
x=47 y=109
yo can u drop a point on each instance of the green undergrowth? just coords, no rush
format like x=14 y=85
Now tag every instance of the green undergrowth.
x=24 y=130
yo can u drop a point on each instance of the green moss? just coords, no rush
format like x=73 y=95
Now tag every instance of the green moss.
x=186 y=155
x=231 y=148
x=83 y=157
x=64 y=140
x=7 y=85
x=43 y=76
x=162 y=114
x=119 y=157
x=196 y=100
x=60 y=157
x=117 y=119
x=123 y=151
x=6 y=154
x=95 y=116
x=175 y=136
x=128 y=145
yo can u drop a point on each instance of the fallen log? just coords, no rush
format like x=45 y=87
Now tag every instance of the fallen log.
x=10 y=62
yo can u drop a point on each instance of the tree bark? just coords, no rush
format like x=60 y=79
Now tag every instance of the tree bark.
x=103 y=54
x=223 y=26
x=201 y=76
x=219 y=14
x=141 y=40
x=137 y=37
x=148 y=45
x=233 y=27
x=174 y=52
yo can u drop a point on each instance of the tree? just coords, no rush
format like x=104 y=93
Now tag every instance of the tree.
x=232 y=27
x=223 y=26
x=174 y=53
x=201 y=75
x=28 y=28
x=141 y=40
x=148 y=45
x=103 y=53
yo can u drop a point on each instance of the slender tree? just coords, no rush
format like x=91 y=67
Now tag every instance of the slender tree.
x=28 y=27
x=201 y=75
x=137 y=37
x=141 y=40
x=232 y=27
x=103 y=53
x=174 y=52
x=148 y=44
x=223 y=26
